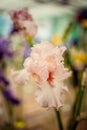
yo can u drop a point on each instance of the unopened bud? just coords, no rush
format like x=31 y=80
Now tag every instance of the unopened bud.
x=84 y=78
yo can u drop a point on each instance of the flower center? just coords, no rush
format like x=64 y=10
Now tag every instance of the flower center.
x=50 y=78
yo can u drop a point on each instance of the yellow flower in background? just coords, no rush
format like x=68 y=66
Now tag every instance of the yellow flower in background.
x=19 y=124
x=84 y=23
x=56 y=39
x=78 y=58
x=81 y=56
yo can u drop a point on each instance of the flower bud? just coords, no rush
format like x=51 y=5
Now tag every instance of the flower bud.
x=84 y=78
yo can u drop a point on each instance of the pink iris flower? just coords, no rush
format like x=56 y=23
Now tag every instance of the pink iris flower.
x=46 y=66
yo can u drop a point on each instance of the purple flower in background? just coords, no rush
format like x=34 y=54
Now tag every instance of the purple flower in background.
x=23 y=21
x=74 y=42
x=17 y=15
x=27 y=50
x=9 y=96
x=14 y=30
x=3 y=79
x=5 y=48
x=81 y=15
x=6 y=90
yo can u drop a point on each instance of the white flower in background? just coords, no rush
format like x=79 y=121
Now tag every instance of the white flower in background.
x=46 y=67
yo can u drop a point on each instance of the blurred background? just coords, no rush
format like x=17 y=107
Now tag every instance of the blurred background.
x=52 y=16
x=63 y=22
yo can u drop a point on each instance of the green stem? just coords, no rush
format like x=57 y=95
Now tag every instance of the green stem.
x=9 y=125
x=30 y=41
x=9 y=110
x=8 y=106
x=78 y=109
x=74 y=126
x=76 y=101
x=80 y=101
x=77 y=105
x=67 y=31
x=59 y=120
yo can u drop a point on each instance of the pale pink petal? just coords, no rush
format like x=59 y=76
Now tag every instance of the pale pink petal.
x=49 y=97
x=45 y=96
x=20 y=77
